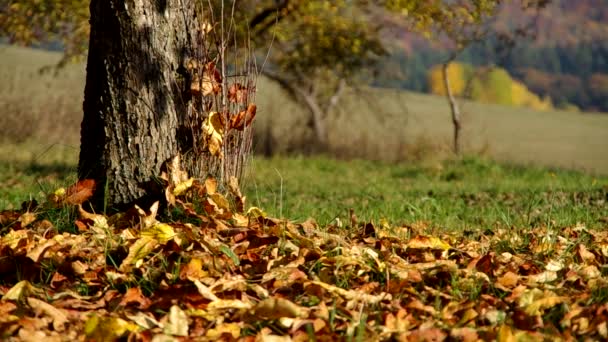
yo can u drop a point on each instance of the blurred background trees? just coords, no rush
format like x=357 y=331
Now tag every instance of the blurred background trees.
x=331 y=59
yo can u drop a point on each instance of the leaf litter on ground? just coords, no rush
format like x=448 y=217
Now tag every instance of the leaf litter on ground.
x=227 y=272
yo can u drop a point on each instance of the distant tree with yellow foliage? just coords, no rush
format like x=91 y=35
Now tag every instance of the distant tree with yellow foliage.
x=487 y=85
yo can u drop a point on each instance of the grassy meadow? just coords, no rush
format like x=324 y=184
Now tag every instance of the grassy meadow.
x=410 y=176
x=406 y=242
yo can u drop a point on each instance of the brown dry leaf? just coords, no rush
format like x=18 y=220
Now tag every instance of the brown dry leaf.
x=135 y=297
x=8 y=217
x=590 y=272
x=243 y=118
x=543 y=277
x=217 y=206
x=427 y=334
x=586 y=256
x=79 y=192
x=59 y=316
x=465 y=334
x=58 y=279
x=146 y=321
x=100 y=222
x=38 y=251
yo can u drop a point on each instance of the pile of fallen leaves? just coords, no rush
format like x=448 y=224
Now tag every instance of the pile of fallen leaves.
x=224 y=272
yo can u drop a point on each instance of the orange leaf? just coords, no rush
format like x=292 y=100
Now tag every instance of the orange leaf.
x=136 y=297
x=79 y=192
x=243 y=118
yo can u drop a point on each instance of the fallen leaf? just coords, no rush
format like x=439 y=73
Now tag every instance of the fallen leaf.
x=274 y=308
x=193 y=270
x=21 y=290
x=160 y=232
x=59 y=317
x=79 y=192
x=139 y=250
x=233 y=330
x=107 y=328
x=135 y=297
x=177 y=323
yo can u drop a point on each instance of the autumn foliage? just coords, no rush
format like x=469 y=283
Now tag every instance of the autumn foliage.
x=488 y=85
x=221 y=270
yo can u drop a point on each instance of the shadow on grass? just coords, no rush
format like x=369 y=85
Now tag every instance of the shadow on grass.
x=39 y=169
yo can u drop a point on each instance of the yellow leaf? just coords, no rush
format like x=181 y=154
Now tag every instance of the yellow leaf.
x=20 y=290
x=14 y=237
x=427 y=242
x=183 y=186
x=538 y=306
x=211 y=185
x=108 y=328
x=27 y=218
x=505 y=334
x=161 y=232
x=232 y=329
x=255 y=212
x=138 y=251
x=213 y=129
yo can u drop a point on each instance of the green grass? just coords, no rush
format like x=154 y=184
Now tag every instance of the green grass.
x=456 y=194
x=469 y=193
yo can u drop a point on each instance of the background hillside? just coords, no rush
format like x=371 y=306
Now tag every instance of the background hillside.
x=564 y=56
x=45 y=111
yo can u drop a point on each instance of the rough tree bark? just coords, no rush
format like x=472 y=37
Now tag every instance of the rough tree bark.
x=135 y=107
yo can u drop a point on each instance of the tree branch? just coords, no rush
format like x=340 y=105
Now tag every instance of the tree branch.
x=266 y=13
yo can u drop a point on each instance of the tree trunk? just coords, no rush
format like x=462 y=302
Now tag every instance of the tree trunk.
x=455 y=109
x=136 y=104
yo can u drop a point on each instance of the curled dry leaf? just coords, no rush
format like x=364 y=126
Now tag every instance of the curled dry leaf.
x=206 y=81
x=243 y=118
